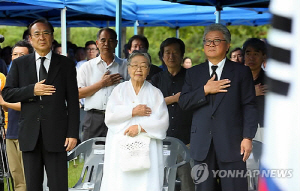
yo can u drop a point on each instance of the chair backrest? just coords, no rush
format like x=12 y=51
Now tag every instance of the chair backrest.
x=93 y=151
x=253 y=161
x=172 y=148
x=253 y=164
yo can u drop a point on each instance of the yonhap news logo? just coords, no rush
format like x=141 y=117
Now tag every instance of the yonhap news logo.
x=200 y=173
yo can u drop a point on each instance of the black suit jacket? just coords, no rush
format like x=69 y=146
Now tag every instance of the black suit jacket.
x=232 y=117
x=56 y=116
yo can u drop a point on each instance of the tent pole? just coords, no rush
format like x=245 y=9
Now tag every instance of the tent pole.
x=135 y=26
x=218 y=14
x=177 y=32
x=63 y=20
x=118 y=26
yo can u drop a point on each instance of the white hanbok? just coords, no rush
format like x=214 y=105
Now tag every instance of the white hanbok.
x=118 y=118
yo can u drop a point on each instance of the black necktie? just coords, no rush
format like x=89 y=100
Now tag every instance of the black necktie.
x=43 y=71
x=214 y=68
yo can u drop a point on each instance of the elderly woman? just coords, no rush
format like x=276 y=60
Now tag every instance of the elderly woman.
x=134 y=107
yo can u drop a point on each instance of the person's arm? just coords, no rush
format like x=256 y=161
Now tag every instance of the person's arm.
x=12 y=92
x=5 y=105
x=107 y=80
x=250 y=118
x=191 y=97
x=172 y=99
x=72 y=106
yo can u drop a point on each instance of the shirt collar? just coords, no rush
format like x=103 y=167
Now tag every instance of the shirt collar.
x=48 y=56
x=220 y=64
x=182 y=69
x=115 y=60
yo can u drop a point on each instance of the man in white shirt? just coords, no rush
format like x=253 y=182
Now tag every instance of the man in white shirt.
x=96 y=80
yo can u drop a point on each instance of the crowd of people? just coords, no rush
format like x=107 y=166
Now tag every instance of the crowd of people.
x=214 y=107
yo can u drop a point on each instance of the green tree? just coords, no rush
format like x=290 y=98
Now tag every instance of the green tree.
x=192 y=36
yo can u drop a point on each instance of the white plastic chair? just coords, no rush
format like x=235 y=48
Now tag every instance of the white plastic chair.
x=92 y=172
x=253 y=164
x=173 y=147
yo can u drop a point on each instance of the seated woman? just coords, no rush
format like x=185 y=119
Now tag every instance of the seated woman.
x=135 y=103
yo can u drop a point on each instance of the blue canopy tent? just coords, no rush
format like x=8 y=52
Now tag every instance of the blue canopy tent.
x=101 y=13
x=219 y=4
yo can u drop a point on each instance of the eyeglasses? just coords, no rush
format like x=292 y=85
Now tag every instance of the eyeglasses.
x=38 y=34
x=215 y=41
x=135 y=67
x=91 y=49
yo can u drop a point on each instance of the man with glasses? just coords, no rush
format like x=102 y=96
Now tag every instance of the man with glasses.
x=170 y=83
x=91 y=51
x=45 y=84
x=222 y=97
x=96 y=80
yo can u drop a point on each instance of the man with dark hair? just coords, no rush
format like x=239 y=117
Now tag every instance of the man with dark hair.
x=91 y=51
x=236 y=55
x=14 y=154
x=80 y=54
x=96 y=80
x=140 y=43
x=222 y=97
x=45 y=84
x=24 y=46
x=170 y=83
x=255 y=53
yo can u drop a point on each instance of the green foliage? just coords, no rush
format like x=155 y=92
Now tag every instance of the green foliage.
x=191 y=36
x=11 y=35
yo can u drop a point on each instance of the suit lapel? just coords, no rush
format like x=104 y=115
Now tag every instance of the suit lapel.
x=227 y=73
x=31 y=66
x=53 y=69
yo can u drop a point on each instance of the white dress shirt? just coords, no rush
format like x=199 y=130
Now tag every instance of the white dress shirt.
x=91 y=72
x=46 y=62
x=219 y=69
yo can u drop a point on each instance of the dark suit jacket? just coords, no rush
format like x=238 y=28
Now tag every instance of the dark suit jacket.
x=232 y=117
x=57 y=115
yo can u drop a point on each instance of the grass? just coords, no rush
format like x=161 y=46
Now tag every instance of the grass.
x=74 y=172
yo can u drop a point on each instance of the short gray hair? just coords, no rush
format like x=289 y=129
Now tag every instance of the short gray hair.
x=218 y=27
x=138 y=53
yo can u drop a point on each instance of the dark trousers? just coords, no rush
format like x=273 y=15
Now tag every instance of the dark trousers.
x=93 y=125
x=55 y=164
x=222 y=183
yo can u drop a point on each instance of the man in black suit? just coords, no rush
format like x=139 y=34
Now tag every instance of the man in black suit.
x=45 y=84
x=224 y=120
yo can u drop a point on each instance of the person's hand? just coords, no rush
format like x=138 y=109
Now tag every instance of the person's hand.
x=132 y=131
x=260 y=89
x=213 y=87
x=110 y=79
x=172 y=99
x=70 y=143
x=3 y=134
x=176 y=96
x=41 y=89
x=246 y=148
x=2 y=102
x=141 y=110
